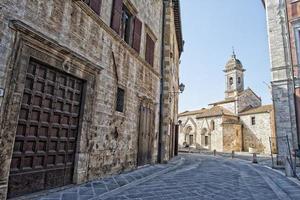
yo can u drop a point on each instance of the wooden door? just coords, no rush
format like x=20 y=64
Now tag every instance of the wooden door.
x=45 y=142
x=145 y=135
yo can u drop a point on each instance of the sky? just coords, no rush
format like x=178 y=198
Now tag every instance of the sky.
x=210 y=29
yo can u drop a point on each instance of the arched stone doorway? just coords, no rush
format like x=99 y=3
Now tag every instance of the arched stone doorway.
x=190 y=137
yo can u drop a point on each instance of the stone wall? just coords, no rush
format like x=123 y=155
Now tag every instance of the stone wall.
x=200 y=128
x=71 y=32
x=282 y=83
x=232 y=137
x=257 y=136
x=170 y=84
x=248 y=100
x=231 y=106
x=216 y=135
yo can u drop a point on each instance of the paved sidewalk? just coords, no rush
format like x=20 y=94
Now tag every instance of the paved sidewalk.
x=189 y=177
x=100 y=187
x=213 y=178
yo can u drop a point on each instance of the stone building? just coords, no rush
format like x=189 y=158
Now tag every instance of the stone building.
x=283 y=31
x=81 y=89
x=238 y=123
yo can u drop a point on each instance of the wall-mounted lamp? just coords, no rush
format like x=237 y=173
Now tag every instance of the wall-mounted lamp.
x=181 y=89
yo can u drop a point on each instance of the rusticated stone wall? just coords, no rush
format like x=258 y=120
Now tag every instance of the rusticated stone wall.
x=282 y=76
x=70 y=32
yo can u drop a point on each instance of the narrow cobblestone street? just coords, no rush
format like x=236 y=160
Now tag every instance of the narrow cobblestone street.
x=189 y=176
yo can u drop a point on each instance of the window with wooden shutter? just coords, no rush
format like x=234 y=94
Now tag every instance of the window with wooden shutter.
x=137 y=31
x=95 y=5
x=117 y=13
x=150 y=45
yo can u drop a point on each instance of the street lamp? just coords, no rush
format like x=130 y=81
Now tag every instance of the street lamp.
x=181 y=89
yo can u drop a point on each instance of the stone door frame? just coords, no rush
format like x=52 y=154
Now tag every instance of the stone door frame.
x=29 y=43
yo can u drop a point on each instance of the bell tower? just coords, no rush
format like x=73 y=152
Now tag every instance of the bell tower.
x=234 y=77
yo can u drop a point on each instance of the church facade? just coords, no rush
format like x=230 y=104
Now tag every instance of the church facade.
x=238 y=123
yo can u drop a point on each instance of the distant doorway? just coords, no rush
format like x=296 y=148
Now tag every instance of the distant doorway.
x=146 y=133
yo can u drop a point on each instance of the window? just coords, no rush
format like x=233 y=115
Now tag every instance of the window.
x=206 y=140
x=230 y=81
x=212 y=125
x=120 y=100
x=253 y=120
x=125 y=22
x=150 y=46
x=297 y=41
x=239 y=80
x=95 y=5
x=191 y=139
x=126 y=25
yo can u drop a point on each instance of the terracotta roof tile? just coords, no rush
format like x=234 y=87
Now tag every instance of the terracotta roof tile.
x=194 y=112
x=227 y=100
x=261 y=109
x=214 y=111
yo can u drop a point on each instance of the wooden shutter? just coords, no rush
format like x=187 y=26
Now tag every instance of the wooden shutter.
x=137 y=31
x=117 y=15
x=95 y=5
x=150 y=50
x=294 y=9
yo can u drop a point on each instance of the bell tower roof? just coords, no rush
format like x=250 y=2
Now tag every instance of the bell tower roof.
x=233 y=64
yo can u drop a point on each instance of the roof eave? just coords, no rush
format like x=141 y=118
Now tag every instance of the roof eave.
x=178 y=27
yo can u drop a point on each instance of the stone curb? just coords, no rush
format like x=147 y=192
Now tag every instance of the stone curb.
x=137 y=182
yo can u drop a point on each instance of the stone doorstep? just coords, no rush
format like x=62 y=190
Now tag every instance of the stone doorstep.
x=57 y=193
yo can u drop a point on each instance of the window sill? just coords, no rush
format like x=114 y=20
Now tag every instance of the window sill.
x=120 y=114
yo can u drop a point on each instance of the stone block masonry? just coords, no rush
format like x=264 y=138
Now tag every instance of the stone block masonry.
x=69 y=39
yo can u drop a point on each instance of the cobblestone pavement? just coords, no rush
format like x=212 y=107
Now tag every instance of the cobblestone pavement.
x=190 y=176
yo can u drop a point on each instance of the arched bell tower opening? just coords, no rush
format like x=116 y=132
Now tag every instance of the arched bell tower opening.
x=234 y=77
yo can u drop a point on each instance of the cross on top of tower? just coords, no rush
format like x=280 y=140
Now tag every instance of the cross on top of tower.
x=233 y=53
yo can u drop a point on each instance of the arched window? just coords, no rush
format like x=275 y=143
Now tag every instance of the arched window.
x=239 y=80
x=230 y=81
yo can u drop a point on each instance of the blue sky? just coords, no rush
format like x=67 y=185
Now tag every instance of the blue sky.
x=210 y=29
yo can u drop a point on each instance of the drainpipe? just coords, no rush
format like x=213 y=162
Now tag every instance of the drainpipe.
x=161 y=106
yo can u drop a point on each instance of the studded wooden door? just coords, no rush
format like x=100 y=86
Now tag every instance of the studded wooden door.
x=45 y=143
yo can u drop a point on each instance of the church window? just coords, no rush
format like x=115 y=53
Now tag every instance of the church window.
x=230 y=81
x=253 y=120
x=206 y=140
x=191 y=139
x=239 y=80
x=212 y=125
